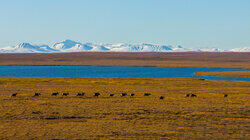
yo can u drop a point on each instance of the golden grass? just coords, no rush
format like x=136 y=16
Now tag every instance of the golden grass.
x=225 y=73
x=210 y=115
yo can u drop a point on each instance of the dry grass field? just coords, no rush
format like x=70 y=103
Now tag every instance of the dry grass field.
x=225 y=73
x=208 y=116
x=182 y=59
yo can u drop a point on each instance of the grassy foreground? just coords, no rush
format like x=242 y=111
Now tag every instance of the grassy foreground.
x=210 y=115
x=225 y=73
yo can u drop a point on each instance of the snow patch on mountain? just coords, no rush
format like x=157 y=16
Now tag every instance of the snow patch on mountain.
x=99 y=49
x=244 y=49
x=66 y=44
x=210 y=50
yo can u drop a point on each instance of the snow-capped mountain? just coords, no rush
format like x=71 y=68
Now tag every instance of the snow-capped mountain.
x=27 y=48
x=244 y=49
x=122 y=47
x=69 y=45
x=210 y=50
x=72 y=46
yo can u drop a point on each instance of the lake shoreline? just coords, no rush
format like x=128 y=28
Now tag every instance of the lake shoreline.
x=130 y=66
x=225 y=73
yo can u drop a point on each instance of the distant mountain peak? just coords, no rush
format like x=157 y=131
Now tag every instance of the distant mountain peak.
x=243 y=49
x=68 y=41
x=27 y=48
x=65 y=44
x=24 y=45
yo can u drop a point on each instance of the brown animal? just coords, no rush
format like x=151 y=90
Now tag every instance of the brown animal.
x=111 y=95
x=54 y=94
x=65 y=94
x=162 y=97
x=80 y=94
x=14 y=95
x=37 y=94
x=193 y=95
x=123 y=94
x=147 y=94
x=97 y=94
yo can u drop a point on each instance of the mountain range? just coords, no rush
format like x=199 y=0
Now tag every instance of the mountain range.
x=72 y=46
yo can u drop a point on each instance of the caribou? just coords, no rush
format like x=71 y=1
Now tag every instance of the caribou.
x=54 y=94
x=161 y=97
x=80 y=94
x=14 y=95
x=111 y=95
x=97 y=94
x=37 y=94
x=147 y=94
x=65 y=94
x=193 y=95
x=132 y=94
x=123 y=94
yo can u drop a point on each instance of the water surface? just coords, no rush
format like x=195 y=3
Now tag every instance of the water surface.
x=113 y=72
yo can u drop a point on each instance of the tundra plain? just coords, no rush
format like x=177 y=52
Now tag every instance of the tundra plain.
x=209 y=115
x=159 y=59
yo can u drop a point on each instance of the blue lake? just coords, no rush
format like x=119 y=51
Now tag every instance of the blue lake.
x=113 y=72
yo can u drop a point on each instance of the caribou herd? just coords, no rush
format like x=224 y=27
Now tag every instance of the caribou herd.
x=97 y=94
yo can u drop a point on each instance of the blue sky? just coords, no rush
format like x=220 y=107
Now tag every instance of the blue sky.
x=190 y=23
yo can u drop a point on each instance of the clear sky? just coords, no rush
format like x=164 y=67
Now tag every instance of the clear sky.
x=190 y=23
